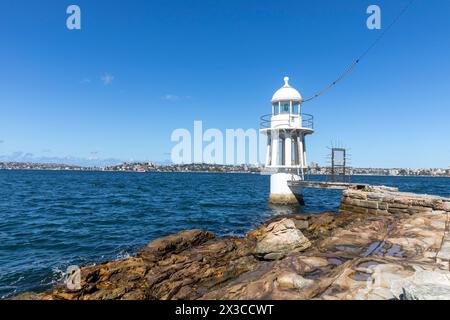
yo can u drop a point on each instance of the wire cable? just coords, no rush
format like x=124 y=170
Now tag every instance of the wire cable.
x=355 y=63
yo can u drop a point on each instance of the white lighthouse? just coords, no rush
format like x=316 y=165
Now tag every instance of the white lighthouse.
x=286 y=128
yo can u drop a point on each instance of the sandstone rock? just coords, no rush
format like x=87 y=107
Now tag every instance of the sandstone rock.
x=443 y=255
x=367 y=204
x=446 y=206
x=426 y=292
x=423 y=285
x=377 y=196
x=29 y=296
x=280 y=239
x=173 y=244
x=301 y=224
x=293 y=281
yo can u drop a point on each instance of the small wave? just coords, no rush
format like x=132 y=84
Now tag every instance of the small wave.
x=58 y=274
x=122 y=255
x=12 y=291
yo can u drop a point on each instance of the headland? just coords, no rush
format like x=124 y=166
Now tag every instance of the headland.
x=382 y=244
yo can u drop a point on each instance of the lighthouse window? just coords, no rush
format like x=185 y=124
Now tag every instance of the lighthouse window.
x=275 y=109
x=285 y=107
x=295 y=108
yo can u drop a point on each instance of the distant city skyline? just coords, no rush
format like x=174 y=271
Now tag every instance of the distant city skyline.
x=143 y=167
x=115 y=90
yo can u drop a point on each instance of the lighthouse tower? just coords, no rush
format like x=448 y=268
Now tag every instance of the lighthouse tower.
x=286 y=128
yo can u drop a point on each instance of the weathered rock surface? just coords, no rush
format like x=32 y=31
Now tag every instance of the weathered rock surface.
x=281 y=238
x=424 y=285
x=389 y=245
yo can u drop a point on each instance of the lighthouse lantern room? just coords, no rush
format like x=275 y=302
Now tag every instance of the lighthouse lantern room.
x=286 y=128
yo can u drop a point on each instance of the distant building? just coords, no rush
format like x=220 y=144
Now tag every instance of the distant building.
x=393 y=172
x=314 y=165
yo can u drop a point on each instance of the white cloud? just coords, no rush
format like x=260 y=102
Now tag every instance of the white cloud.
x=107 y=79
x=170 y=97
x=174 y=97
x=86 y=81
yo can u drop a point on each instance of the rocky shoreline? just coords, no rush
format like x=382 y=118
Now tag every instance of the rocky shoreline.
x=382 y=244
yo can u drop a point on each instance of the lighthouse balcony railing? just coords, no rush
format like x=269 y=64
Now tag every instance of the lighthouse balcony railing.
x=267 y=121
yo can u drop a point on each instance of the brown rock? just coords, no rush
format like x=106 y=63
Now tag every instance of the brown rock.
x=173 y=244
x=280 y=239
x=293 y=281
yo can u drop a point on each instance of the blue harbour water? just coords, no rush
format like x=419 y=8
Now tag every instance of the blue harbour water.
x=52 y=219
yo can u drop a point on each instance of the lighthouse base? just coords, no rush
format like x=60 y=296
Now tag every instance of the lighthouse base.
x=281 y=193
x=283 y=199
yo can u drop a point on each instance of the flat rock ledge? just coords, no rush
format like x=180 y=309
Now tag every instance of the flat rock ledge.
x=383 y=244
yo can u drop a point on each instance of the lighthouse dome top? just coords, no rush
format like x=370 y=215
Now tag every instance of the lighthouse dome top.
x=286 y=93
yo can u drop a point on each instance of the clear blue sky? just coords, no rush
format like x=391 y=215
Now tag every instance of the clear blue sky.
x=172 y=62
